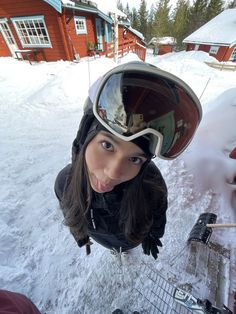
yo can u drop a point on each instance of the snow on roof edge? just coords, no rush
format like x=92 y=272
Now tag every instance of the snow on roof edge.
x=137 y=33
x=206 y=43
x=219 y=30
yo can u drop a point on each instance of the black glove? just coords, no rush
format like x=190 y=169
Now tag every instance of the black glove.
x=82 y=242
x=85 y=241
x=150 y=245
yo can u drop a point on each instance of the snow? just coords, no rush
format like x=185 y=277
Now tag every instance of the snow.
x=68 y=2
x=219 y=30
x=40 y=109
x=162 y=40
x=109 y=7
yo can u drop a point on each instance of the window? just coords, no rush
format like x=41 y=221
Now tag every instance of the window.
x=6 y=32
x=108 y=33
x=214 y=50
x=80 y=25
x=233 y=55
x=32 y=31
x=196 y=47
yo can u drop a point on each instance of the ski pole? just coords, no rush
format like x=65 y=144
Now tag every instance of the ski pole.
x=221 y=225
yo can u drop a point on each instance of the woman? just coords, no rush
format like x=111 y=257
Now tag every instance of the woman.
x=112 y=191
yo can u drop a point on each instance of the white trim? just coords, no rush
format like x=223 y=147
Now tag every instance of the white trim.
x=214 y=50
x=77 y=20
x=8 y=36
x=4 y=20
x=140 y=45
x=32 y=31
x=205 y=43
x=27 y=17
x=233 y=55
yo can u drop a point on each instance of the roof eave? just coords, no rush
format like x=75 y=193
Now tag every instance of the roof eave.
x=56 y=4
x=84 y=8
x=80 y=8
x=196 y=42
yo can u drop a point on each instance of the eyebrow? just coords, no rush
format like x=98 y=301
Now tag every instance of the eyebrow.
x=113 y=138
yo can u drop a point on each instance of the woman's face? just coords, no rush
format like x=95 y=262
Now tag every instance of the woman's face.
x=111 y=161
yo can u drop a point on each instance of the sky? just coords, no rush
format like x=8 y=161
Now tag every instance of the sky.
x=136 y=3
x=40 y=109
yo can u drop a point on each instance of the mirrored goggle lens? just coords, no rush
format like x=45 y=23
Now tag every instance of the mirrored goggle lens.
x=132 y=102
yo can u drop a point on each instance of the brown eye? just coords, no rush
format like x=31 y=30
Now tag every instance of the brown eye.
x=136 y=160
x=107 y=146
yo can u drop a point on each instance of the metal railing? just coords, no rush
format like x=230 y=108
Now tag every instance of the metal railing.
x=222 y=66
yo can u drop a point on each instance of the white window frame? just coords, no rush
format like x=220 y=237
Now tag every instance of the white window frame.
x=32 y=31
x=233 y=54
x=108 y=33
x=6 y=32
x=214 y=50
x=82 y=21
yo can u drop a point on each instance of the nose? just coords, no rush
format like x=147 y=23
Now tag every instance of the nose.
x=115 y=169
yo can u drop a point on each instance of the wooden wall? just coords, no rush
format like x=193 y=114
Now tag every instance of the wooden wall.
x=61 y=29
x=78 y=42
x=223 y=54
x=12 y=8
x=165 y=49
x=4 y=51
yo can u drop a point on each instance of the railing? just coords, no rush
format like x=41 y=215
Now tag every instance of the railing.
x=125 y=47
x=28 y=54
x=222 y=66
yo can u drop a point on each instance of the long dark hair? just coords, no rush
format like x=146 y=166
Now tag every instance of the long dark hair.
x=140 y=196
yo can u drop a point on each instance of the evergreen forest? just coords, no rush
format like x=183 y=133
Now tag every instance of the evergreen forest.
x=163 y=20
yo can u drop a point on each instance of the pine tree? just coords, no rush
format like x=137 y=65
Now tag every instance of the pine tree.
x=128 y=12
x=214 y=8
x=135 y=19
x=197 y=15
x=232 y=4
x=162 y=25
x=143 y=18
x=151 y=17
x=180 y=22
x=120 y=5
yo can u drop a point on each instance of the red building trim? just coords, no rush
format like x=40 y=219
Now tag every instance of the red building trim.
x=223 y=54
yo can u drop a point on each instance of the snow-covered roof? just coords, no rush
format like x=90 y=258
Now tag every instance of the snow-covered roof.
x=137 y=33
x=106 y=10
x=221 y=30
x=162 y=40
x=68 y=2
x=107 y=7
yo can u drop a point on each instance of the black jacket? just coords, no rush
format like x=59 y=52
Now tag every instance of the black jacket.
x=103 y=217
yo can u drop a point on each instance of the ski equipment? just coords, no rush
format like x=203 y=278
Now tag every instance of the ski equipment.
x=200 y=232
x=196 y=305
x=138 y=99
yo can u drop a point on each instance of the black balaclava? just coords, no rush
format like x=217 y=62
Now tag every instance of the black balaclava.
x=90 y=126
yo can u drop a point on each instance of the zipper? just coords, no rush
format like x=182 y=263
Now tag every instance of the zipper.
x=92 y=218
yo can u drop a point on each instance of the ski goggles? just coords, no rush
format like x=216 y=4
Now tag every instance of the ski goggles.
x=142 y=100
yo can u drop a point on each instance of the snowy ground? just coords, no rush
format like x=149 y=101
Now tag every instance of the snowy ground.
x=40 y=109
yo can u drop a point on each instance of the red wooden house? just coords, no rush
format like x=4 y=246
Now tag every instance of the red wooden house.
x=54 y=30
x=217 y=37
x=162 y=45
